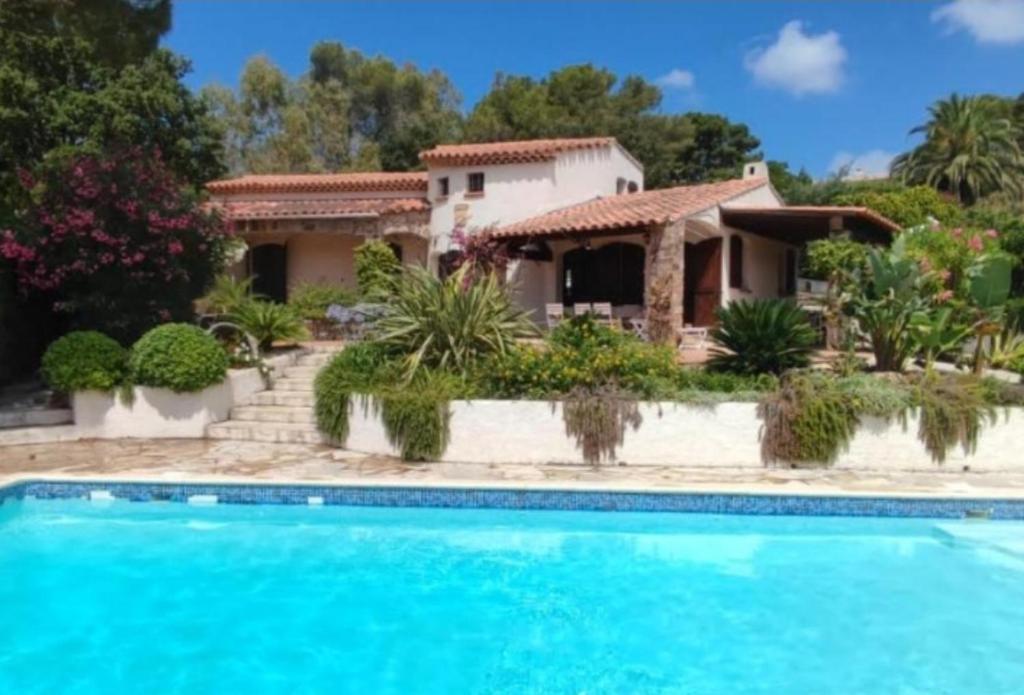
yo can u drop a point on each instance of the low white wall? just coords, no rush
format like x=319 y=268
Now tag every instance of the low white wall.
x=726 y=435
x=159 y=413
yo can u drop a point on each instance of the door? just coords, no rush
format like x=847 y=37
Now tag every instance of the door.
x=268 y=267
x=702 y=282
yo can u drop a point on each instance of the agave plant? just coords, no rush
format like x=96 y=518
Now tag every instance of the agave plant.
x=762 y=336
x=268 y=322
x=450 y=323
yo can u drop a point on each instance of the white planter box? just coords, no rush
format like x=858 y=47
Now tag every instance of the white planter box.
x=726 y=435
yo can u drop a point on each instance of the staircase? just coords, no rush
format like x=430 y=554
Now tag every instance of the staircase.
x=284 y=413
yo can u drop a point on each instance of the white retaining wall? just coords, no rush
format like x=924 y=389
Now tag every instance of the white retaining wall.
x=672 y=434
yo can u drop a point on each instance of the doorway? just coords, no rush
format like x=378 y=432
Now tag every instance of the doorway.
x=268 y=268
x=702 y=282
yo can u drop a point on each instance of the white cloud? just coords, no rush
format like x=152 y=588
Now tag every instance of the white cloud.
x=676 y=79
x=870 y=164
x=988 y=21
x=799 y=62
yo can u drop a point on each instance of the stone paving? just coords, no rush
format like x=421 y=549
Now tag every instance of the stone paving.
x=195 y=460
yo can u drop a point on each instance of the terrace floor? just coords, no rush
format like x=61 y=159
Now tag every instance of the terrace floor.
x=224 y=461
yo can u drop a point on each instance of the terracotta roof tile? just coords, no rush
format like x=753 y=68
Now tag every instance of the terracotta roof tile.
x=322 y=183
x=631 y=210
x=509 y=152
x=304 y=209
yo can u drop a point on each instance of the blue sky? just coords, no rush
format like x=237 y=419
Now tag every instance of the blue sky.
x=818 y=82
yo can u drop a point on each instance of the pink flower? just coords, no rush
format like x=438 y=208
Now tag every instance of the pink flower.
x=926 y=265
x=976 y=244
x=991 y=234
x=175 y=248
x=944 y=275
x=944 y=296
x=957 y=232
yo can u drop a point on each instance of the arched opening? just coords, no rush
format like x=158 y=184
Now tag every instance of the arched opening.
x=611 y=273
x=268 y=268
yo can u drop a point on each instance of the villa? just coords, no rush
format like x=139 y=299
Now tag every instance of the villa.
x=578 y=225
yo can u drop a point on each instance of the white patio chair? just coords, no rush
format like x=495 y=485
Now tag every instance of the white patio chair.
x=602 y=312
x=554 y=313
x=638 y=325
x=692 y=338
x=581 y=308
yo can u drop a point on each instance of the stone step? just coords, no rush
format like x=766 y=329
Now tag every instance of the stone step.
x=293 y=384
x=274 y=413
x=284 y=432
x=317 y=359
x=301 y=372
x=291 y=398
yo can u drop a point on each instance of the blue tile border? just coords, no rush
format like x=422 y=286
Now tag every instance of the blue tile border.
x=476 y=498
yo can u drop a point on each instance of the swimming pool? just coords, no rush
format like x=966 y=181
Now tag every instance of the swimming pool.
x=115 y=596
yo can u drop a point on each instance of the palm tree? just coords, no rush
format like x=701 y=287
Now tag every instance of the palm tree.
x=970 y=150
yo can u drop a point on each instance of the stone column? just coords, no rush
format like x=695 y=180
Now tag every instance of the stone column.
x=663 y=295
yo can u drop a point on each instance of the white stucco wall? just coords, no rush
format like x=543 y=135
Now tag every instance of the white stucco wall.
x=672 y=434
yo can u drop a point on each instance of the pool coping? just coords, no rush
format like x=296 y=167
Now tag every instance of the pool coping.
x=515 y=495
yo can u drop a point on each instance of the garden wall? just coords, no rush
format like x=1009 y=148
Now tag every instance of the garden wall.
x=672 y=434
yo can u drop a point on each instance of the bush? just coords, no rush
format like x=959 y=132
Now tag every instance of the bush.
x=311 y=300
x=83 y=361
x=449 y=324
x=268 y=322
x=377 y=267
x=177 y=356
x=763 y=335
x=359 y=368
x=227 y=294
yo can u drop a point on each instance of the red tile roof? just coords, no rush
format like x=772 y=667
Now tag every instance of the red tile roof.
x=322 y=183
x=303 y=209
x=509 y=152
x=631 y=210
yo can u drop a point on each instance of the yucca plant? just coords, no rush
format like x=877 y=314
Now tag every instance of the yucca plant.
x=227 y=294
x=450 y=323
x=762 y=336
x=268 y=322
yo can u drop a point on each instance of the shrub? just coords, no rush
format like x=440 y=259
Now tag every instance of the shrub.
x=311 y=300
x=417 y=416
x=177 y=356
x=84 y=360
x=359 y=368
x=227 y=294
x=268 y=322
x=763 y=335
x=377 y=267
x=449 y=324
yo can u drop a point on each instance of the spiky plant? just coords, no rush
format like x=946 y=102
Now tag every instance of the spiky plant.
x=762 y=336
x=268 y=322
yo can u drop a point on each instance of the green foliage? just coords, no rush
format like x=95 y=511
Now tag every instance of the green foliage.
x=83 y=361
x=907 y=207
x=938 y=332
x=268 y=322
x=690 y=379
x=361 y=367
x=377 y=268
x=417 y=416
x=227 y=294
x=177 y=356
x=311 y=300
x=971 y=149
x=762 y=335
x=953 y=409
x=836 y=260
x=450 y=324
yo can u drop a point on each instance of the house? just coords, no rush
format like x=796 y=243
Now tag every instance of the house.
x=574 y=215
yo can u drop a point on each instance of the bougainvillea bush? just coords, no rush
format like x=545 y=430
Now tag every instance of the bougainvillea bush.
x=114 y=241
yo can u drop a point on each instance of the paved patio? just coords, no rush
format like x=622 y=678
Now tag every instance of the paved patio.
x=202 y=460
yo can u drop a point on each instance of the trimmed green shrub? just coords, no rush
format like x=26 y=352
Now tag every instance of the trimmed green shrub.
x=84 y=360
x=178 y=356
x=311 y=300
x=762 y=335
x=268 y=323
x=377 y=268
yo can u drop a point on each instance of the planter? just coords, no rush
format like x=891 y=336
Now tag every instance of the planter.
x=726 y=435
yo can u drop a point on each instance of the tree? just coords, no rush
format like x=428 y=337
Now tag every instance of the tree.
x=116 y=242
x=786 y=182
x=971 y=149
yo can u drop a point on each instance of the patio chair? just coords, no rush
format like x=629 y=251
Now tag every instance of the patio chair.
x=554 y=313
x=581 y=308
x=692 y=338
x=602 y=312
x=638 y=325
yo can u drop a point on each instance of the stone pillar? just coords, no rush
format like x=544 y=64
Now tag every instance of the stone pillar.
x=663 y=295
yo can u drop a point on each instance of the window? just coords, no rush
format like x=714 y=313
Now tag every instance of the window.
x=735 y=262
x=611 y=273
x=475 y=182
x=442 y=187
x=633 y=187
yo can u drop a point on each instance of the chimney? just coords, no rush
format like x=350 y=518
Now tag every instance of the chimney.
x=755 y=170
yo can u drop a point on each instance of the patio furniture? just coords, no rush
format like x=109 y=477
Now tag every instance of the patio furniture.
x=692 y=338
x=581 y=308
x=638 y=325
x=554 y=313
x=602 y=312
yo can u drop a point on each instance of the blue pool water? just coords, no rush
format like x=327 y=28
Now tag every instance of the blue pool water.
x=124 y=597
